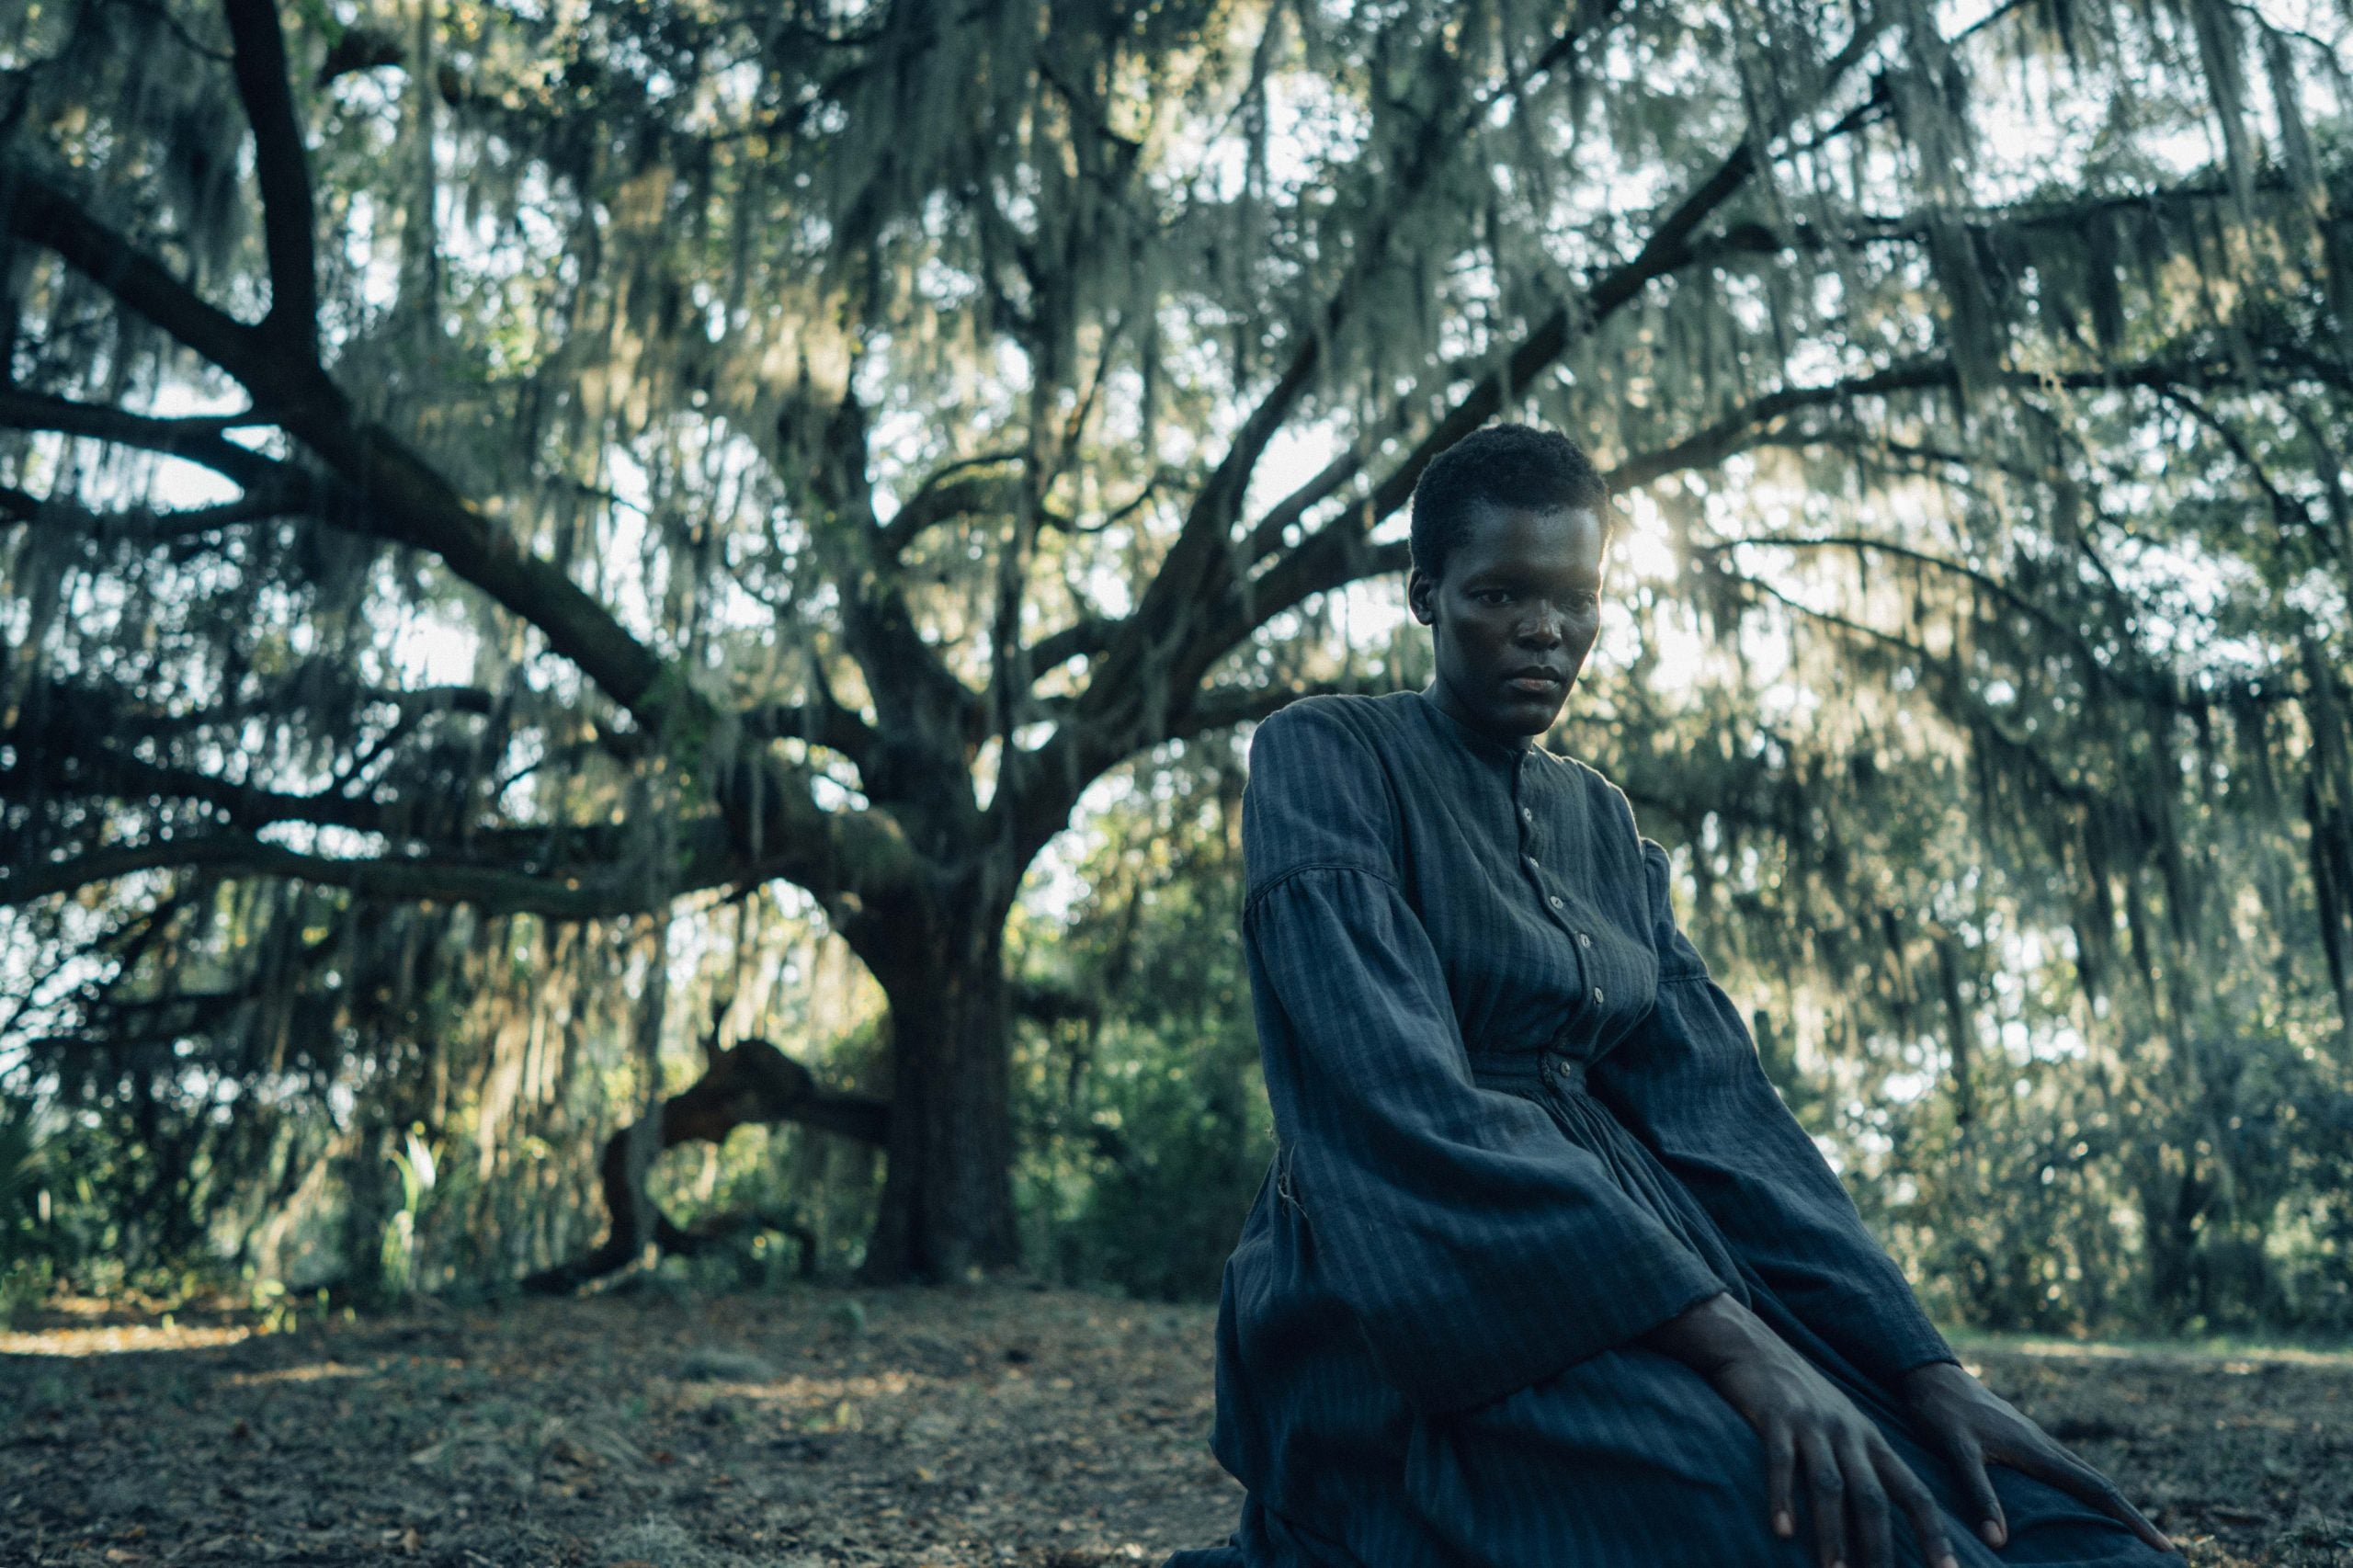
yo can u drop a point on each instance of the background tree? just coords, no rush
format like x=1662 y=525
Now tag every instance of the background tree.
x=549 y=464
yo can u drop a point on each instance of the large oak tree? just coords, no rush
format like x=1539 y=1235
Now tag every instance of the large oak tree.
x=836 y=436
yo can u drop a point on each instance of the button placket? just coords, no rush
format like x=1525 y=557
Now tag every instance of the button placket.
x=1580 y=941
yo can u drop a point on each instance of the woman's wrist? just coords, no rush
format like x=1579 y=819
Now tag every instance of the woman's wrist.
x=1931 y=1377
x=1712 y=1335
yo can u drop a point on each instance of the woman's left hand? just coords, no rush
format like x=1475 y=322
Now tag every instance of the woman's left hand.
x=1976 y=1427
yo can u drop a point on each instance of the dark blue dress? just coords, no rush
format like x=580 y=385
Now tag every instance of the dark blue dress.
x=1517 y=1126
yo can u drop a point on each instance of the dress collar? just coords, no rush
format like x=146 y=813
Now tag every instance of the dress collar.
x=1477 y=743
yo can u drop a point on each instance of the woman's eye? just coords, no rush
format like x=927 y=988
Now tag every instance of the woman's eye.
x=1492 y=596
x=1585 y=603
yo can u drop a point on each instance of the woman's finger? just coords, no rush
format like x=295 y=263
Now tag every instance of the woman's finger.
x=1873 y=1538
x=1919 y=1506
x=1825 y=1497
x=1968 y=1460
x=2073 y=1476
x=1781 y=1475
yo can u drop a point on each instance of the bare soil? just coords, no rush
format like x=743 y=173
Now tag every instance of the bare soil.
x=825 y=1426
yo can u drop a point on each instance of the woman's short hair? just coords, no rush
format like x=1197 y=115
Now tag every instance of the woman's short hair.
x=1499 y=465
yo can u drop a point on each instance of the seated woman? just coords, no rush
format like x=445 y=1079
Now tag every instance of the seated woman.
x=1544 y=1272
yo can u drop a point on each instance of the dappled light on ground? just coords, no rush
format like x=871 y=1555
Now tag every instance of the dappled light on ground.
x=119 y=1338
x=1043 y=1429
x=819 y=1427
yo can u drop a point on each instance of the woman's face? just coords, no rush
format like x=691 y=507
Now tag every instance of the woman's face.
x=1513 y=616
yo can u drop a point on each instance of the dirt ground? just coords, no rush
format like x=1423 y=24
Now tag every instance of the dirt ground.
x=825 y=1426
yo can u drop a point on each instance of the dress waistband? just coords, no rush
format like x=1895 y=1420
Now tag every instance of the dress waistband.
x=1526 y=1073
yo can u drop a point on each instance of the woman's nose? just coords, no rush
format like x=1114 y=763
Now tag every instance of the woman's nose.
x=1542 y=629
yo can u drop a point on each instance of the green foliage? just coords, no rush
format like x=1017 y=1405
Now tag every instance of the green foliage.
x=28 y=1271
x=1146 y=1128
x=396 y=1266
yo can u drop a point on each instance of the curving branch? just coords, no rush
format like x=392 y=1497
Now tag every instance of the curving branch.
x=1115 y=714
x=751 y=1084
x=37 y=209
x=1755 y=421
x=1671 y=247
x=604 y=893
x=1202 y=564
x=1222 y=707
x=149 y=527
x=2293 y=515
x=1950 y=690
x=914 y=690
x=201 y=440
x=1082 y=639
x=49 y=762
x=2067 y=218
x=820 y=719
x=944 y=501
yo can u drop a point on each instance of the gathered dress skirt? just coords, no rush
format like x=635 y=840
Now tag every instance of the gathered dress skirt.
x=1625 y=1460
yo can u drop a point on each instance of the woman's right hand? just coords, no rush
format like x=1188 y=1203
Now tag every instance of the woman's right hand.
x=1811 y=1432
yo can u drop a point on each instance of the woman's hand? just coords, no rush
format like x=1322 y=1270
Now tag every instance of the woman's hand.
x=1975 y=1427
x=1851 y=1475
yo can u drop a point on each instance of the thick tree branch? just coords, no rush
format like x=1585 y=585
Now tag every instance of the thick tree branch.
x=282 y=169
x=404 y=498
x=1200 y=606
x=1666 y=250
x=1337 y=553
x=928 y=714
x=40 y=211
x=437 y=698
x=2064 y=218
x=1271 y=532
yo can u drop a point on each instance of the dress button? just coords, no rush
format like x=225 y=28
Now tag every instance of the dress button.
x=1584 y=940
x=1531 y=859
x=1527 y=816
x=1596 y=996
x=1554 y=900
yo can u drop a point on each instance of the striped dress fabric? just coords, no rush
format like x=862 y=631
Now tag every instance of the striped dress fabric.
x=1517 y=1127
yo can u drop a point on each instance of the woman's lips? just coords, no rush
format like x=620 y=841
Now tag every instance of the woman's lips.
x=1534 y=685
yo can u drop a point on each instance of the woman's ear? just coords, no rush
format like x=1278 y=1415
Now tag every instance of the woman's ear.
x=1421 y=597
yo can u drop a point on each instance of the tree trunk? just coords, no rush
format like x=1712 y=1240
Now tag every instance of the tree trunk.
x=947 y=1211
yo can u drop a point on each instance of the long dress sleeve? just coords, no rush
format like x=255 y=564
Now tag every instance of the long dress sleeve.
x=1477 y=1248
x=1687 y=1082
